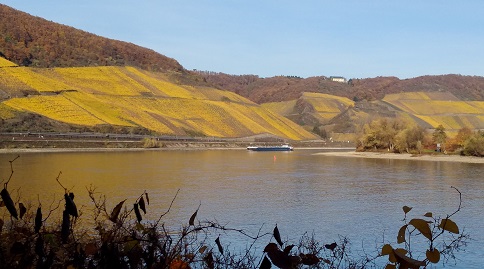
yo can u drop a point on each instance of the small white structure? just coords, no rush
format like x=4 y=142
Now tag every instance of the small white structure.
x=338 y=79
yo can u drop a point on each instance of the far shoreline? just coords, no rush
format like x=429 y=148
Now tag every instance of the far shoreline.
x=347 y=152
x=404 y=156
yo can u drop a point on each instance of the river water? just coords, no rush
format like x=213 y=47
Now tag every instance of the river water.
x=299 y=191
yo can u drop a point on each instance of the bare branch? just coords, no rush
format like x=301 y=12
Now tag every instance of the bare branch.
x=57 y=179
x=11 y=171
x=169 y=208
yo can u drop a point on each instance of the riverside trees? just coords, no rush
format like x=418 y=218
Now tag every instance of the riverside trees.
x=392 y=135
x=398 y=136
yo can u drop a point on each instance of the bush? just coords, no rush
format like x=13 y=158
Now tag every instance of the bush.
x=474 y=145
x=151 y=143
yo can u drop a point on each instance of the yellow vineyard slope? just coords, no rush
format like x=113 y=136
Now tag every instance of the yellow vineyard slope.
x=325 y=106
x=126 y=96
x=437 y=108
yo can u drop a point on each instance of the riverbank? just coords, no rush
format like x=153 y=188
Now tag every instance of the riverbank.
x=403 y=156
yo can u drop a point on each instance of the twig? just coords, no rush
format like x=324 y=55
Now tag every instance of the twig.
x=460 y=202
x=11 y=171
x=169 y=208
x=50 y=208
x=57 y=179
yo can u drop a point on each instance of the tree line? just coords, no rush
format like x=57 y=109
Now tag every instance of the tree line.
x=399 y=136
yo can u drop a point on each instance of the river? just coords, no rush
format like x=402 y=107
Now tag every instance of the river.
x=299 y=191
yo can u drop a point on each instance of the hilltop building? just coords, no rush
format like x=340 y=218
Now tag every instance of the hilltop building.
x=338 y=79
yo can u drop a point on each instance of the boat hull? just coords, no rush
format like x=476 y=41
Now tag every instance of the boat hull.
x=280 y=148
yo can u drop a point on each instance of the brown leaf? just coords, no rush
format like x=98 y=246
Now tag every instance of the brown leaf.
x=192 y=218
x=9 y=203
x=138 y=214
x=220 y=248
x=422 y=226
x=38 y=220
x=142 y=204
x=115 y=213
x=90 y=249
x=202 y=249
x=428 y=214
x=147 y=198
x=331 y=246
x=71 y=207
x=179 y=264
x=386 y=249
x=433 y=255
x=407 y=262
x=406 y=209
x=277 y=236
x=401 y=234
x=22 y=210
x=449 y=225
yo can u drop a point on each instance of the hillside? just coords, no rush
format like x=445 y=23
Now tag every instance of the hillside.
x=311 y=108
x=32 y=41
x=133 y=99
x=342 y=118
x=440 y=108
x=286 y=88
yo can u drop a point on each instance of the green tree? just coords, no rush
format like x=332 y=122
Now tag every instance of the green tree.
x=461 y=137
x=439 y=136
x=410 y=139
x=474 y=145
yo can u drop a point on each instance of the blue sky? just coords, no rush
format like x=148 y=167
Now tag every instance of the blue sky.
x=350 y=38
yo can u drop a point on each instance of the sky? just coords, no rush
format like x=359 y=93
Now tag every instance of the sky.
x=349 y=38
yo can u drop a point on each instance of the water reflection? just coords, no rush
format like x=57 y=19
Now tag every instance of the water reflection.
x=301 y=192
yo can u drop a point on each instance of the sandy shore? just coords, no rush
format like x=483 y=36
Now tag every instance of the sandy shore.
x=393 y=156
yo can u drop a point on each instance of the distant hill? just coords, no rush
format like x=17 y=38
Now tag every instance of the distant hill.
x=285 y=88
x=342 y=118
x=35 y=42
x=127 y=99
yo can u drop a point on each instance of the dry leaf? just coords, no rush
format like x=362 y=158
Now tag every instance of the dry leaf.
x=422 y=226
x=138 y=214
x=192 y=218
x=142 y=205
x=22 y=209
x=115 y=213
x=38 y=220
x=90 y=249
x=277 y=236
x=406 y=209
x=401 y=234
x=449 y=226
x=433 y=255
x=9 y=203
x=220 y=248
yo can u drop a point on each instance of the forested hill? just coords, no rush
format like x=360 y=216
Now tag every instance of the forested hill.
x=32 y=41
x=285 y=88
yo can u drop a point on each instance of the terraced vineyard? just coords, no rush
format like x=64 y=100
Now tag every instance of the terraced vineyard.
x=440 y=108
x=322 y=107
x=126 y=96
x=6 y=63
